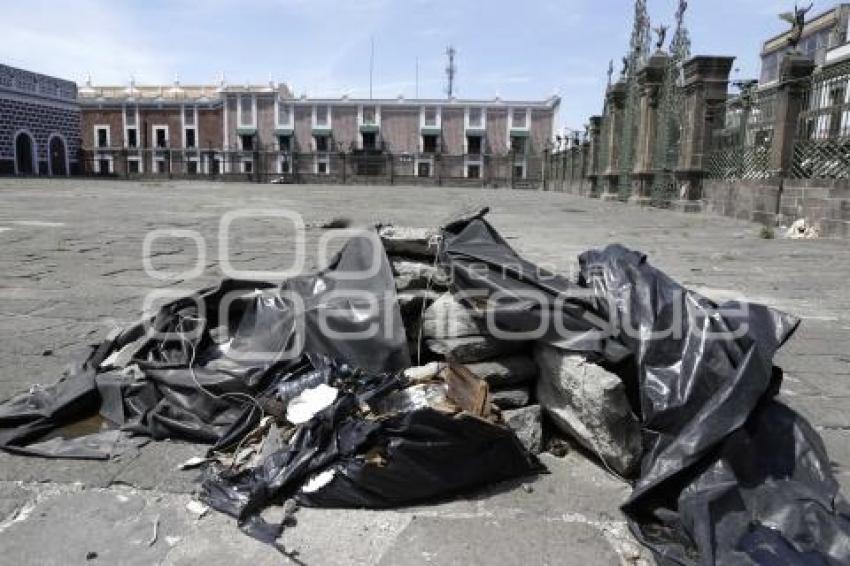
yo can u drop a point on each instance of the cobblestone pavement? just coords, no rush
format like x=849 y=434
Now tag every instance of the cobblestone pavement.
x=71 y=269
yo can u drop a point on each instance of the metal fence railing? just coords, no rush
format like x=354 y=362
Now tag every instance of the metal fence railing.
x=822 y=145
x=516 y=170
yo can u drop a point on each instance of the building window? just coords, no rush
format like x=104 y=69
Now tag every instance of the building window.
x=284 y=115
x=132 y=138
x=370 y=140
x=285 y=143
x=475 y=118
x=429 y=144
x=321 y=116
x=519 y=171
x=160 y=136
x=248 y=166
x=369 y=115
x=322 y=167
x=247 y=141
x=190 y=138
x=518 y=144
x=519 y=119
x=473 y=171
x=429 y=117
x=104 y=166
x=284 y=166
x=192 y=167
x=130 y=116
x=133 y=167
x=246 y=110
x=189 y=115
x=423 y=169
x=473 y=145
x=101 y=136
x=322 y=143
x=160 y=166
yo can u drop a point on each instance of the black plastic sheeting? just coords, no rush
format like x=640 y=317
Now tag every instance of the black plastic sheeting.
x=196 y=365
x=729 y=474
x=424 y=454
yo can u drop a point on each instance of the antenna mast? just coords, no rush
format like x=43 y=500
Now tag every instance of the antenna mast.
x=451 y=70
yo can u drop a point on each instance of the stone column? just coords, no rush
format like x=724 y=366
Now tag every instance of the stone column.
x=706 y=82
x=615 y=101
x=794 y=75
x=650 y=79
x=592 y=147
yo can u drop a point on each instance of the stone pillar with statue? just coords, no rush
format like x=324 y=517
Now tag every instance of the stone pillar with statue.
x=650 y=80
x=615 y=100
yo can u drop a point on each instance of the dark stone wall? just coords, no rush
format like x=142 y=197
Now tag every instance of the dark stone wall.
x=41 y=120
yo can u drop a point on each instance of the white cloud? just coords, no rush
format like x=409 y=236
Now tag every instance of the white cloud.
x=69 y=39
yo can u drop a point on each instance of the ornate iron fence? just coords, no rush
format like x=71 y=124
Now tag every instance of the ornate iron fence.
x=741 y=150
x=822 y=146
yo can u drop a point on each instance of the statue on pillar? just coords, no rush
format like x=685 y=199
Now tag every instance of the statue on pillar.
x=661 y=32
x=625 y=70
x=797 y=19
x=610 y=71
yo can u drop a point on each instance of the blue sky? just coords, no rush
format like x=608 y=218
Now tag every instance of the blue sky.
x=516 y=49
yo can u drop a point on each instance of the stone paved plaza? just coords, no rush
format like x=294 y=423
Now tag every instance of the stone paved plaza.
x=72 y=269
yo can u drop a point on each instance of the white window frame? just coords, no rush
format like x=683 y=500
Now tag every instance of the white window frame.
x=281 y=160
x=429 y=161
x=240 y=122
x=439 y=110
x=467 y=162
x=520 y=163
x=160 y=127
x=321 y=159
x=511 y=126
x=128 y=127
x=290 y=113
x=242 y=163
x=466 y=113
x=96 y=129
x=329 y=124
x=360 y=121
x=195 y=159
x=194 y=126
x=138 y=160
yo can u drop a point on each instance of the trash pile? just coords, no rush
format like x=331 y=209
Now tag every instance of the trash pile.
x=419 y=365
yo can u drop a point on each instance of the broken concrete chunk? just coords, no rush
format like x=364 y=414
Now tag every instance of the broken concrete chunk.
x=511 y=398
x=425 y=395
x=469 y=349
x=407 y=241
x=506 y=371
x=449 y=318
x=527 y=424
x=413 y=275
x=589 y=403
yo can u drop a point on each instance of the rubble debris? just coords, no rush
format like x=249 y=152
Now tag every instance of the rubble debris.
x=467 y=390
x=802 y=230
x=527 y=424
x=449 y=318
x=428 y=372
x=410 y=242
x=197 y=509
x=510 y=398
x=590 y=404
x=414 y=275
x=420 y=396
x=505 y=371
x=469 y=349
x=311 y=401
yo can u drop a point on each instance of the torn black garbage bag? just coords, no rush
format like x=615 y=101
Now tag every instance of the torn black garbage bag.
x=729 y=475
x=347 y=457
x=192 y=370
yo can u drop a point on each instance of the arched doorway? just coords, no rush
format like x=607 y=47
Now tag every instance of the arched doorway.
x=58 y=157
x=24 y=154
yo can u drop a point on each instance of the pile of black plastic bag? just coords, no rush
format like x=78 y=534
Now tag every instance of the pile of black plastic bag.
x=729 y=474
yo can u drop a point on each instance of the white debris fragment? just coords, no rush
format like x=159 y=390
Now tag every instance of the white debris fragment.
x=424 y=373
x=197 y=508
x=309 y=402
x=193 y=462
x=318 y=481
x=802 y=230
